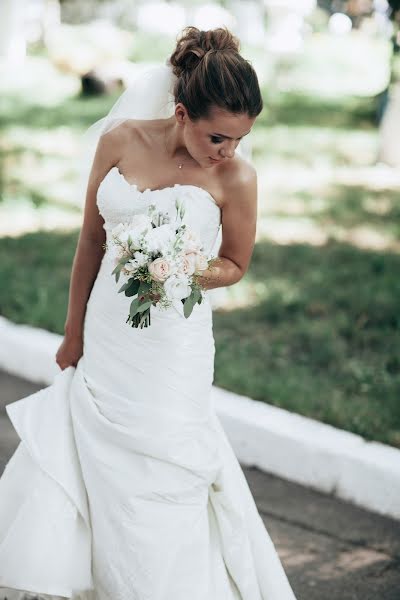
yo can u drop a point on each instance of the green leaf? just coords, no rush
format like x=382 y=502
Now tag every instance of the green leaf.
x=133 y=287
x=188 y=306
x=117 y=269
x=144 y=288
x=134 y=307
x=125 y=286
x=144 y=305
x=196 y=295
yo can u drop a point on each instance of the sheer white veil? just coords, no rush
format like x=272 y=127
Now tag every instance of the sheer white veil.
x=148 y=96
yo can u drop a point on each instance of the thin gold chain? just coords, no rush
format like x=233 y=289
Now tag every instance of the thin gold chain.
x=180 y=164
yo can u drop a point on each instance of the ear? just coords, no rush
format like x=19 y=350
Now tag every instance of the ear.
x=181 y=113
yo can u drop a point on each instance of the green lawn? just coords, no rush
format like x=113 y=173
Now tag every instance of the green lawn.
x=314 y=325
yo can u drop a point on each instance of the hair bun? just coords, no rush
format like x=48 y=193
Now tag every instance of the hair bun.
x=193 y=44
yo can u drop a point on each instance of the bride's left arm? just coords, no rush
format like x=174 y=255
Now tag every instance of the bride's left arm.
x=239 y=218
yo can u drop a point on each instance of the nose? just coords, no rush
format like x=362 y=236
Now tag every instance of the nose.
x=229 y=150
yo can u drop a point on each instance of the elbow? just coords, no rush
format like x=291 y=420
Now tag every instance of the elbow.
x=237 y=274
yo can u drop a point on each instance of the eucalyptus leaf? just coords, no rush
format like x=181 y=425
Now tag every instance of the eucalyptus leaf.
x=133 y=287
x=188 y=306
x=144 y=288
x=144 y=306
x=196 y=295
x=134 y=307
x=124 y=287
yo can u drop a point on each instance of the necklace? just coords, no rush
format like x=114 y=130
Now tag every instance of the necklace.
x=180 y=164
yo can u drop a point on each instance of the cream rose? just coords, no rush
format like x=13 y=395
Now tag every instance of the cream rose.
x=188 y=264
x=160 y=269
x=199 y=261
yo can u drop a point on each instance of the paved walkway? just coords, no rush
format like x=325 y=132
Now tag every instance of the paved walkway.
x=331 y=550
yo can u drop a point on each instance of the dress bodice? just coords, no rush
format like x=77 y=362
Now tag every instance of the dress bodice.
x=118 y=200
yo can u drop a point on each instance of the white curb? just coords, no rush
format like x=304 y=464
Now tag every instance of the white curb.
x=275 y=440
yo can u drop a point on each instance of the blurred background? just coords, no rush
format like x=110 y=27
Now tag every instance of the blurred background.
x=313 y=327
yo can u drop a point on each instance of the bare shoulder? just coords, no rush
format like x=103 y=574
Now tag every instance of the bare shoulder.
x=124 y=133
x=238 y=182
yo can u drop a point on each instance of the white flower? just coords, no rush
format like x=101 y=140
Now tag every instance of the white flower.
x=115 y=232
x=130 y=266
x=188 y=264
x=139 y=260
x=135 y=229
x=191 y=241
x=201 y=262
x=177 y=287
x=140 y=221
x=160 y=238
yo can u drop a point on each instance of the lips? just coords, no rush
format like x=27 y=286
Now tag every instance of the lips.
x=214 y=159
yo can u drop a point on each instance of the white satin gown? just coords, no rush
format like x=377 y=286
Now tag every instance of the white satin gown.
x=124 y=485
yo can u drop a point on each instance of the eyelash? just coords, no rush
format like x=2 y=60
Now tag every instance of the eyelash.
x=216 y=140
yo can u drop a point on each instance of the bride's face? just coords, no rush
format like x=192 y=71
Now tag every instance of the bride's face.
x=216 y=137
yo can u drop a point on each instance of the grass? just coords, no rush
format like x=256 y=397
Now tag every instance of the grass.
x=320 y=337
x=313 y=326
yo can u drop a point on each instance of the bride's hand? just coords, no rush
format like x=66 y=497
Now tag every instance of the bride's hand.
x=69 y=352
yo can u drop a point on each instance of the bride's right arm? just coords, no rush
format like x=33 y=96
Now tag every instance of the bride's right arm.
x=89 y=251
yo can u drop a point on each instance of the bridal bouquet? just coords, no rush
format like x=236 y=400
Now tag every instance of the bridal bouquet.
x=161 y=258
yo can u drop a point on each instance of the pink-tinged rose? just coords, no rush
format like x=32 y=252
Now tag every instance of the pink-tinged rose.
x=160 y=269
x=188 y=264
x=199 y=260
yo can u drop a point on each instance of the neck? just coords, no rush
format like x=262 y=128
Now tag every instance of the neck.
x=174 y=143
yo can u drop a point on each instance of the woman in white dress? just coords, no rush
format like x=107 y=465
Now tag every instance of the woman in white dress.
x=124 y=485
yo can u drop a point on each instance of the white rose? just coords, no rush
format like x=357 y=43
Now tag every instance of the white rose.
x=118 y=229
x=177 y=287
x=160 y=238
x=130 y=233
x=191 y=241
x=139 y=260
x=134 y=229
x=140 y=221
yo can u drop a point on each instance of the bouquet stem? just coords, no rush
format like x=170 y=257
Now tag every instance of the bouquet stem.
x=140 y=320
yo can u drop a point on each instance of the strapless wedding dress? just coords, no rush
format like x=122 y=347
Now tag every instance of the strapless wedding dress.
x=124 y=485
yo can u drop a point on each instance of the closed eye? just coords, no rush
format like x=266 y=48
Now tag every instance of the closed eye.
x=217 y=140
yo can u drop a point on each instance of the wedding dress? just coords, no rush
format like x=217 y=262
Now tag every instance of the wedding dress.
x=124 y=485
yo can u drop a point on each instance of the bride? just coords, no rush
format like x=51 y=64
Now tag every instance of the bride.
x=124 y=485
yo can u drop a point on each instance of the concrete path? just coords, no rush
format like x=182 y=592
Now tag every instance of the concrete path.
x=331 y=550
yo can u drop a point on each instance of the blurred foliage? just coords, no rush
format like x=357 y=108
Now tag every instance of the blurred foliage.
x=313 y=326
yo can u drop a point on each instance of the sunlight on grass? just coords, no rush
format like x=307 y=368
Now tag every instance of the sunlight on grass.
x=250 y=292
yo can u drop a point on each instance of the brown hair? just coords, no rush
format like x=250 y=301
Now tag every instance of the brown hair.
x=211 y=72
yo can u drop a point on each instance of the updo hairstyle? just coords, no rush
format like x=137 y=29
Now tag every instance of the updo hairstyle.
x=211 y=72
